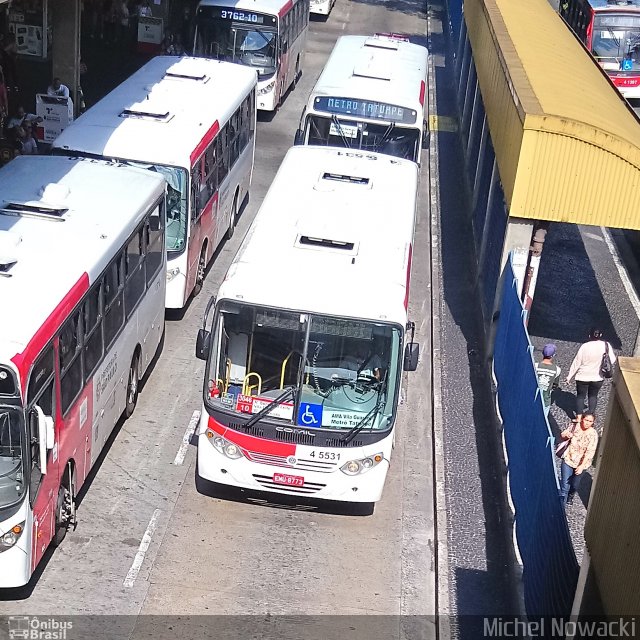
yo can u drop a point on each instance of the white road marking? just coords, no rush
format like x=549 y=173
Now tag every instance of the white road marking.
x=142 y=550
x=186 y=438
x=624 y=276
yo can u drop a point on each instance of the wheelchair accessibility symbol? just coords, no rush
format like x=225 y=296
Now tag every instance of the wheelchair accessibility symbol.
x=310 y=415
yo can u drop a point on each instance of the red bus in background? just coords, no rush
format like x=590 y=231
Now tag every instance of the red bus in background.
x=610 y=29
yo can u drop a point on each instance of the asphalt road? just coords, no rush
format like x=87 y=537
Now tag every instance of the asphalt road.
x=205 y=555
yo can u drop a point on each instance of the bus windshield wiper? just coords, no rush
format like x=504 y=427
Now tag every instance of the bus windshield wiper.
x=385 y=136
x=354 y=431
x=289 y=391
x=334 y=119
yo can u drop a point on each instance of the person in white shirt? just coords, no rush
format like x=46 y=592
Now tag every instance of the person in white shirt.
x=145 y=10
x=29 y=145
x=56 y=88
x=586 y=370
x=21 y=118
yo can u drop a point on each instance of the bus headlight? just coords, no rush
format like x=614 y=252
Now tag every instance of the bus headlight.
x=172 y=273
x=223 y=446
x=267 y=88
x=361 y=465
x=12 y=536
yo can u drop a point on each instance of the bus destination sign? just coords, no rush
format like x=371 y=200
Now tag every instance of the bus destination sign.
x=365 y=109
x=236 y=15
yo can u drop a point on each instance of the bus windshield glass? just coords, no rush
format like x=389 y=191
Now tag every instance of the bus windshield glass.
x=616 y=41
x=387 y=138
x=177 y=218
x=232 y=35
x=345 y=373
x=12 y=450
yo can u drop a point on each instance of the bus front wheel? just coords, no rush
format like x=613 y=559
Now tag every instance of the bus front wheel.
x=64 y=510
x=202 y=268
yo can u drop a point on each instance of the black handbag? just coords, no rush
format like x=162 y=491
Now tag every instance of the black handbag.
x=606 y=368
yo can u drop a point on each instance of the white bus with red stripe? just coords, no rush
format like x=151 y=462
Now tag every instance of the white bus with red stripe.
x=268 y=36
x=371 y=95
x=305 y=349
x=192 y=120
x=82 y=284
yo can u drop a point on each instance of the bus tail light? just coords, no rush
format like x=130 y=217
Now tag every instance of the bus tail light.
x=361 y=465
x=12 y=536
x=223 y=446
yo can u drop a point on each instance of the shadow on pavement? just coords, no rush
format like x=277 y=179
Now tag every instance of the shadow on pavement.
x=568 y=300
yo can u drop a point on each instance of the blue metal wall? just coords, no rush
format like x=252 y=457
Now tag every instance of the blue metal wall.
x=455 y=16
x=550 y=568
x=489 y=212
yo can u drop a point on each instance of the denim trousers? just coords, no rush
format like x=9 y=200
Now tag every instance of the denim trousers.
x=569 y=481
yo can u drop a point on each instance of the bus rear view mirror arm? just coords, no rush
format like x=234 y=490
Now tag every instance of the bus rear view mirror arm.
x=204 y=337
x=299 y=138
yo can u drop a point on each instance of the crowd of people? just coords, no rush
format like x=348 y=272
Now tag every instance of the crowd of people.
x=114 y=21
x=591 y=366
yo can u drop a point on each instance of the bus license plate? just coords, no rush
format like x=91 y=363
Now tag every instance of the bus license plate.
x=291 y=481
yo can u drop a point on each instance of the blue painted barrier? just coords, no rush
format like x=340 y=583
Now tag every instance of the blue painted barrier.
x=549 y=566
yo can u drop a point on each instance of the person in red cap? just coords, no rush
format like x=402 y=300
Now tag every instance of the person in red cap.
x=548 y=375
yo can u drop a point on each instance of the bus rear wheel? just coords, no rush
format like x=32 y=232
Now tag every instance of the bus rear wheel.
x=132 y=387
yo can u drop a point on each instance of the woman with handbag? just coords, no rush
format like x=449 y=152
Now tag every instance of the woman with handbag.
x=588 y=368
x=577 y=451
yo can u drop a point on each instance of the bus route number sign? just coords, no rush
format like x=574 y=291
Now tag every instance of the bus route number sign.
x=365 y=109
x=229 y=13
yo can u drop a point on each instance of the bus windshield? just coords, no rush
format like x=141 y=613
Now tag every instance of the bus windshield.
x=244 y=37
x=12 y=463
x=177 y=218
x=390 y=139
x=342 y=370
x=616 y=42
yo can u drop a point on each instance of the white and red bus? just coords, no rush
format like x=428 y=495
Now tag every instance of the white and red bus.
x=82 y=284
x=610 y=29
x=268 y=36
x=192 y=120
x=309 y=332
x=372 y=96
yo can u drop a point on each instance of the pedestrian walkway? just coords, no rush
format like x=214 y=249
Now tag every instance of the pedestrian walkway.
x=477 y=530
x=579 y=287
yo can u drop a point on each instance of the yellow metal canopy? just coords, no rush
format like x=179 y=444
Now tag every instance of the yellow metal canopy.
x=566 y=143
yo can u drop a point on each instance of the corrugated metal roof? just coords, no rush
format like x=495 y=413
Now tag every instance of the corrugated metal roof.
x=567 y=144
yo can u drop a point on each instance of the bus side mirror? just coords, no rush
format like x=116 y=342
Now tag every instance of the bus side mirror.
x=202 y=344
x=299 y=138
x=411 y=356
x=425 y=134
x=46 y=437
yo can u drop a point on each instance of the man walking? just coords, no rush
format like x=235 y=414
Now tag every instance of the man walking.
x=548 y=375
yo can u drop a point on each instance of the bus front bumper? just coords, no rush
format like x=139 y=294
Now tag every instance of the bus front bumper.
x=336 y=485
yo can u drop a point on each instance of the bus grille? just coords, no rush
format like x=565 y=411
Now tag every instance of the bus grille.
x=337 y=442
x=315 y=465
x=255 y=430
x=299 y=438
x=308 y=488
x=267 y=458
